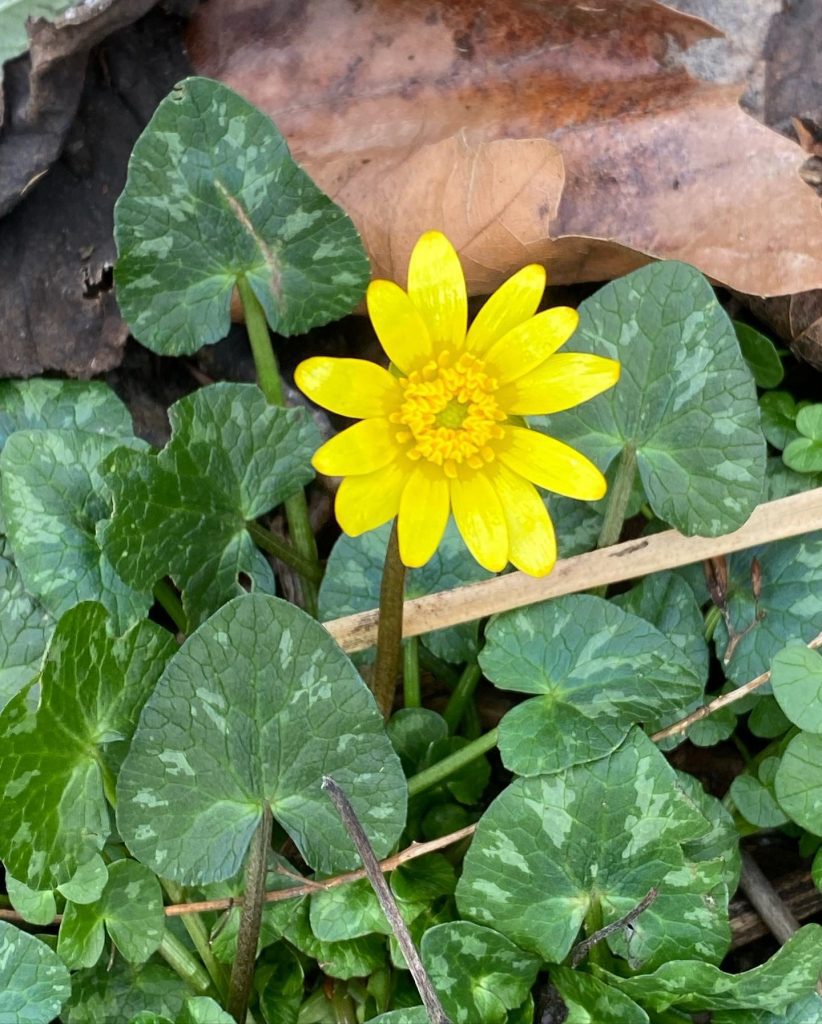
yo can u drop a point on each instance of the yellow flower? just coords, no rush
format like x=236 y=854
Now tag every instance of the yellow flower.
x=444 y=434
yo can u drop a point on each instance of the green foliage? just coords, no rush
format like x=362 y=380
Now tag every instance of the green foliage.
x=240 y=717
x=687 y=405
x=213 y=196
x=183 y=511
x=804 y=453
x=34 y=984
x=760 y=355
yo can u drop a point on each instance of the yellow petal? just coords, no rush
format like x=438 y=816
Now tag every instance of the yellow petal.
x=367 y=446
x=512 y=303
x=525 y=347
x=551 y=464
x=400 y=327
x=366 y=502
x=481 y=520
x=531 y=537
x=561 y=382
x=349 y=387
x=423 y=515
x=436 y=286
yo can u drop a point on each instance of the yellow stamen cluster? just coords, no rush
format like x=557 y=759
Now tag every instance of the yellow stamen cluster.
x=449 y=413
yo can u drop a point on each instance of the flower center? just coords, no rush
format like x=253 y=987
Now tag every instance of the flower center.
x=449 y=413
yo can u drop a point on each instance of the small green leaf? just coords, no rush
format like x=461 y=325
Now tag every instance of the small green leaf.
x=202 y=1010
x=346 y=912
x=412 y=731
x=356 y=958
x=804 y=454
x=597 y=669
x=279 y=980
x=478 y=973
x=781 y=482
x=212 y=196
x=767 y=720
x=779 y=411
x=354 y=572
x=408 y=1015
x=791 y=973
x=549 y=846
x=257 y=705
x=798 y=782
x=590 y=1001
x=789 y=605
x=25 y=627
x=761 y=355
x=796 y=678
x=34 y=984
x=424 y=878
x=130 y=908
x=120 y=992
x=756 y=802
x=88 y=881
x=55 y=758
x=183 y=511
x=34 y=906
x=52 y=502
x=686 y=401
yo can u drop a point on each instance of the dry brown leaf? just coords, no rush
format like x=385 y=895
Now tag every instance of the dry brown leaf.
x=566 y=132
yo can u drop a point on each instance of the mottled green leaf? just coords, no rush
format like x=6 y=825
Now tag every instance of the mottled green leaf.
x=279 y=980
x=804 y=1011
x=33 y=905
x=781 y=482
x=213 y=196
x=52 y=500
x=804 y=453
x=25 y=627
x=183 y=511
x=88 y=881
x=356 y=958
x=761 y=355
x=798 y=781
x=40 y=404
x=408 y=1015
x=790 y=974
x=354 y=571
x=609 y=830
x=55 y=756
x=130 y=909
x=202 y=1010
x=722 y=842
x=590 y=1001
x=119 y=992
x=34 y=984
x=258 y=705
x=597 y=670
x=779 y=410
x=346 y=912
x=686 y=401
x=789 y=606
x=412 y=731
x=796 y=678
x=478 y=973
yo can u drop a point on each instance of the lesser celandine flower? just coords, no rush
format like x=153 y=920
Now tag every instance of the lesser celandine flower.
x=444 y=433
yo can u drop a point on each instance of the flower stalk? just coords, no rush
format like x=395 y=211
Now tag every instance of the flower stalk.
x=389 y=630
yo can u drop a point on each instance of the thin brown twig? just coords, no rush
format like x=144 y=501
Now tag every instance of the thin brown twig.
x=723 y=701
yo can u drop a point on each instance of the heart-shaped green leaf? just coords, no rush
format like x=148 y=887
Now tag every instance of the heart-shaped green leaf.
x=773 y=597
x=130 y=908
x=550 y=847
x=183 y=511
x=798 y=781
x=53 y=498
x=804 y=454
x=590 y=1001
x=761 y=355
x=478 y=973
x=120 y=991
x=790 y=974
x=796 y=678
x=213 y=196
x=257 y=706
x=598 y=670
x=25 y=627
x=33 y=905
x=34 y=984
x=685 y=403
x=57 y=757
x=779 y=411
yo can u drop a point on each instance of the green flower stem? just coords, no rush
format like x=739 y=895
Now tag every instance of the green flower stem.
x=342 y=1005
x=599 y=954
x=198 y=933
x=411 y=685
x=187 y=966
x=712 y=619
x=450 y=765
x=274 y=545
x=242 y=973
x=166 y=596
x=268 y=375
x=389 y=629
x=619 y=495
x=461 y=697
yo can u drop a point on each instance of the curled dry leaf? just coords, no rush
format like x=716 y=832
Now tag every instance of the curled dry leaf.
x=561 y=132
